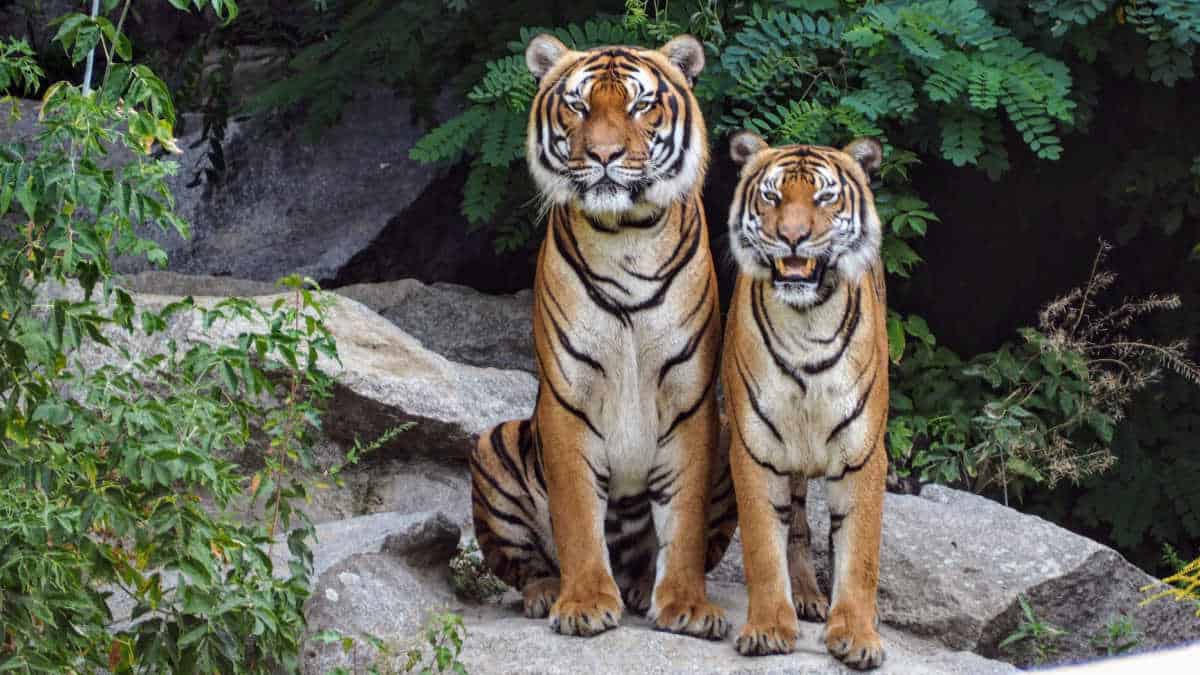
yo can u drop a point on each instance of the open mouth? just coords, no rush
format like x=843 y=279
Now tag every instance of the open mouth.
x=795 y=269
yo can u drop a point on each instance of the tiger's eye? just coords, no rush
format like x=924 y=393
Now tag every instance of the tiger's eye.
x=577 y=106
x=642 y=106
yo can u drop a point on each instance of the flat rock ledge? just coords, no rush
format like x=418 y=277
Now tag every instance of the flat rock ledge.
x=377 y=588
x=385 y=376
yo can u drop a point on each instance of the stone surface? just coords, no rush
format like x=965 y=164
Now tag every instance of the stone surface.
x=286 y=205
x=455 y=321
x=372 y=593
x=341 y=539
x=953 y=565
x=385 y=378
x=289 y=205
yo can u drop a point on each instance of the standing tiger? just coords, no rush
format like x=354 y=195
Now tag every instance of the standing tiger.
x=806 y=388
x=614 y=494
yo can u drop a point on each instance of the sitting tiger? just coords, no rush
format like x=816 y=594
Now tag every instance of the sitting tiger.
x=806 y=388
x=614 y=494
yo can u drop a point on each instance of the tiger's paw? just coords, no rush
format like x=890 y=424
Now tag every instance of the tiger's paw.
x=585 y=616
x=852 y=641
x=758 y=639
x=539 y=596
x=811 y=606
x=698 y=618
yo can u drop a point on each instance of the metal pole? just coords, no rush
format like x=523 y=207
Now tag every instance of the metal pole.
x=91 y=57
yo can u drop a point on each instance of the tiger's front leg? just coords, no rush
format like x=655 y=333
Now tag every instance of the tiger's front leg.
x=856 y=520
x=679 y=493
x=763 y=499
x=589 y=601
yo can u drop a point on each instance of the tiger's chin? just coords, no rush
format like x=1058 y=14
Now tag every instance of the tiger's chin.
x=608 y=200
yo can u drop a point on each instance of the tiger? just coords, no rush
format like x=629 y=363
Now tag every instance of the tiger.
x=614 y=494
x=805 y=377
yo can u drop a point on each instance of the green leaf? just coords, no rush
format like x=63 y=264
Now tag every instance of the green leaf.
x=895 y=331
x=26 y=197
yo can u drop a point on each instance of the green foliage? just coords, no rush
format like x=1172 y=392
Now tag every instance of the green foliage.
x=1034 y=637
x=117 y=480
x=1032 y=413
x=1118 y=636
x=442 y=644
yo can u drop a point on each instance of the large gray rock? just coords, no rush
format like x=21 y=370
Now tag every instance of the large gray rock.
x=377 y=575
x=380 y=595
x=953 y=565
x=455 y=321
x=501 y=641
x=288 y=205
x=384 y=378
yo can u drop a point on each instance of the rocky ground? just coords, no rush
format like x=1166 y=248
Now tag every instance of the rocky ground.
x=953 y=564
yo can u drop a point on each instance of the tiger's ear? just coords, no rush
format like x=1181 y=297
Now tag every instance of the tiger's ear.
x=867 y=152
x=744 y=145
x=687 y=54
x=542 y=53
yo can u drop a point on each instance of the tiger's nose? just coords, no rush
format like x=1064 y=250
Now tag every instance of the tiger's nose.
x=606 y=154
x=794 y=233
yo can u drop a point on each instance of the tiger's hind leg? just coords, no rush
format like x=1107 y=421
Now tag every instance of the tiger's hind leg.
x=511 y=513
x=722 y=506
x=811 y=604
x=632 y=549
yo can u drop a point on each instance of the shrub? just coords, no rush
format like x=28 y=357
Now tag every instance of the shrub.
x=117 y=485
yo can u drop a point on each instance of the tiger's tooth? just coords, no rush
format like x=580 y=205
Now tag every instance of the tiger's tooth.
x=809 y=264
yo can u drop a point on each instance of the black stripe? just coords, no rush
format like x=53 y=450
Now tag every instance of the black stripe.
x=487 y=477
x=827 y=363
x=573 y=410
x=754 y=402
x=757 y=309
x=686 y=414
x=689 y=349
x=766 y=465
x=598 y=297
x=699 y=303
x=853 y=468
x=854 y=414
x=576 y=354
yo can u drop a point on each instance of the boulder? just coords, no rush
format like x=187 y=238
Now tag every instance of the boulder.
x=385 y=378
x=379 y=593
x=455 y=321
x=458 y=322
x=376 y=575
x=287 y=204
x=953 y=565
x=499 y=640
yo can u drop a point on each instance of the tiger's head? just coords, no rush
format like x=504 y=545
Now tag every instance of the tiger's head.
x=616 y=131
x=803 y=216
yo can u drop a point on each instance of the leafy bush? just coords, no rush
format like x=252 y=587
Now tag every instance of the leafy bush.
x=1034 y=413
x=118 y=491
